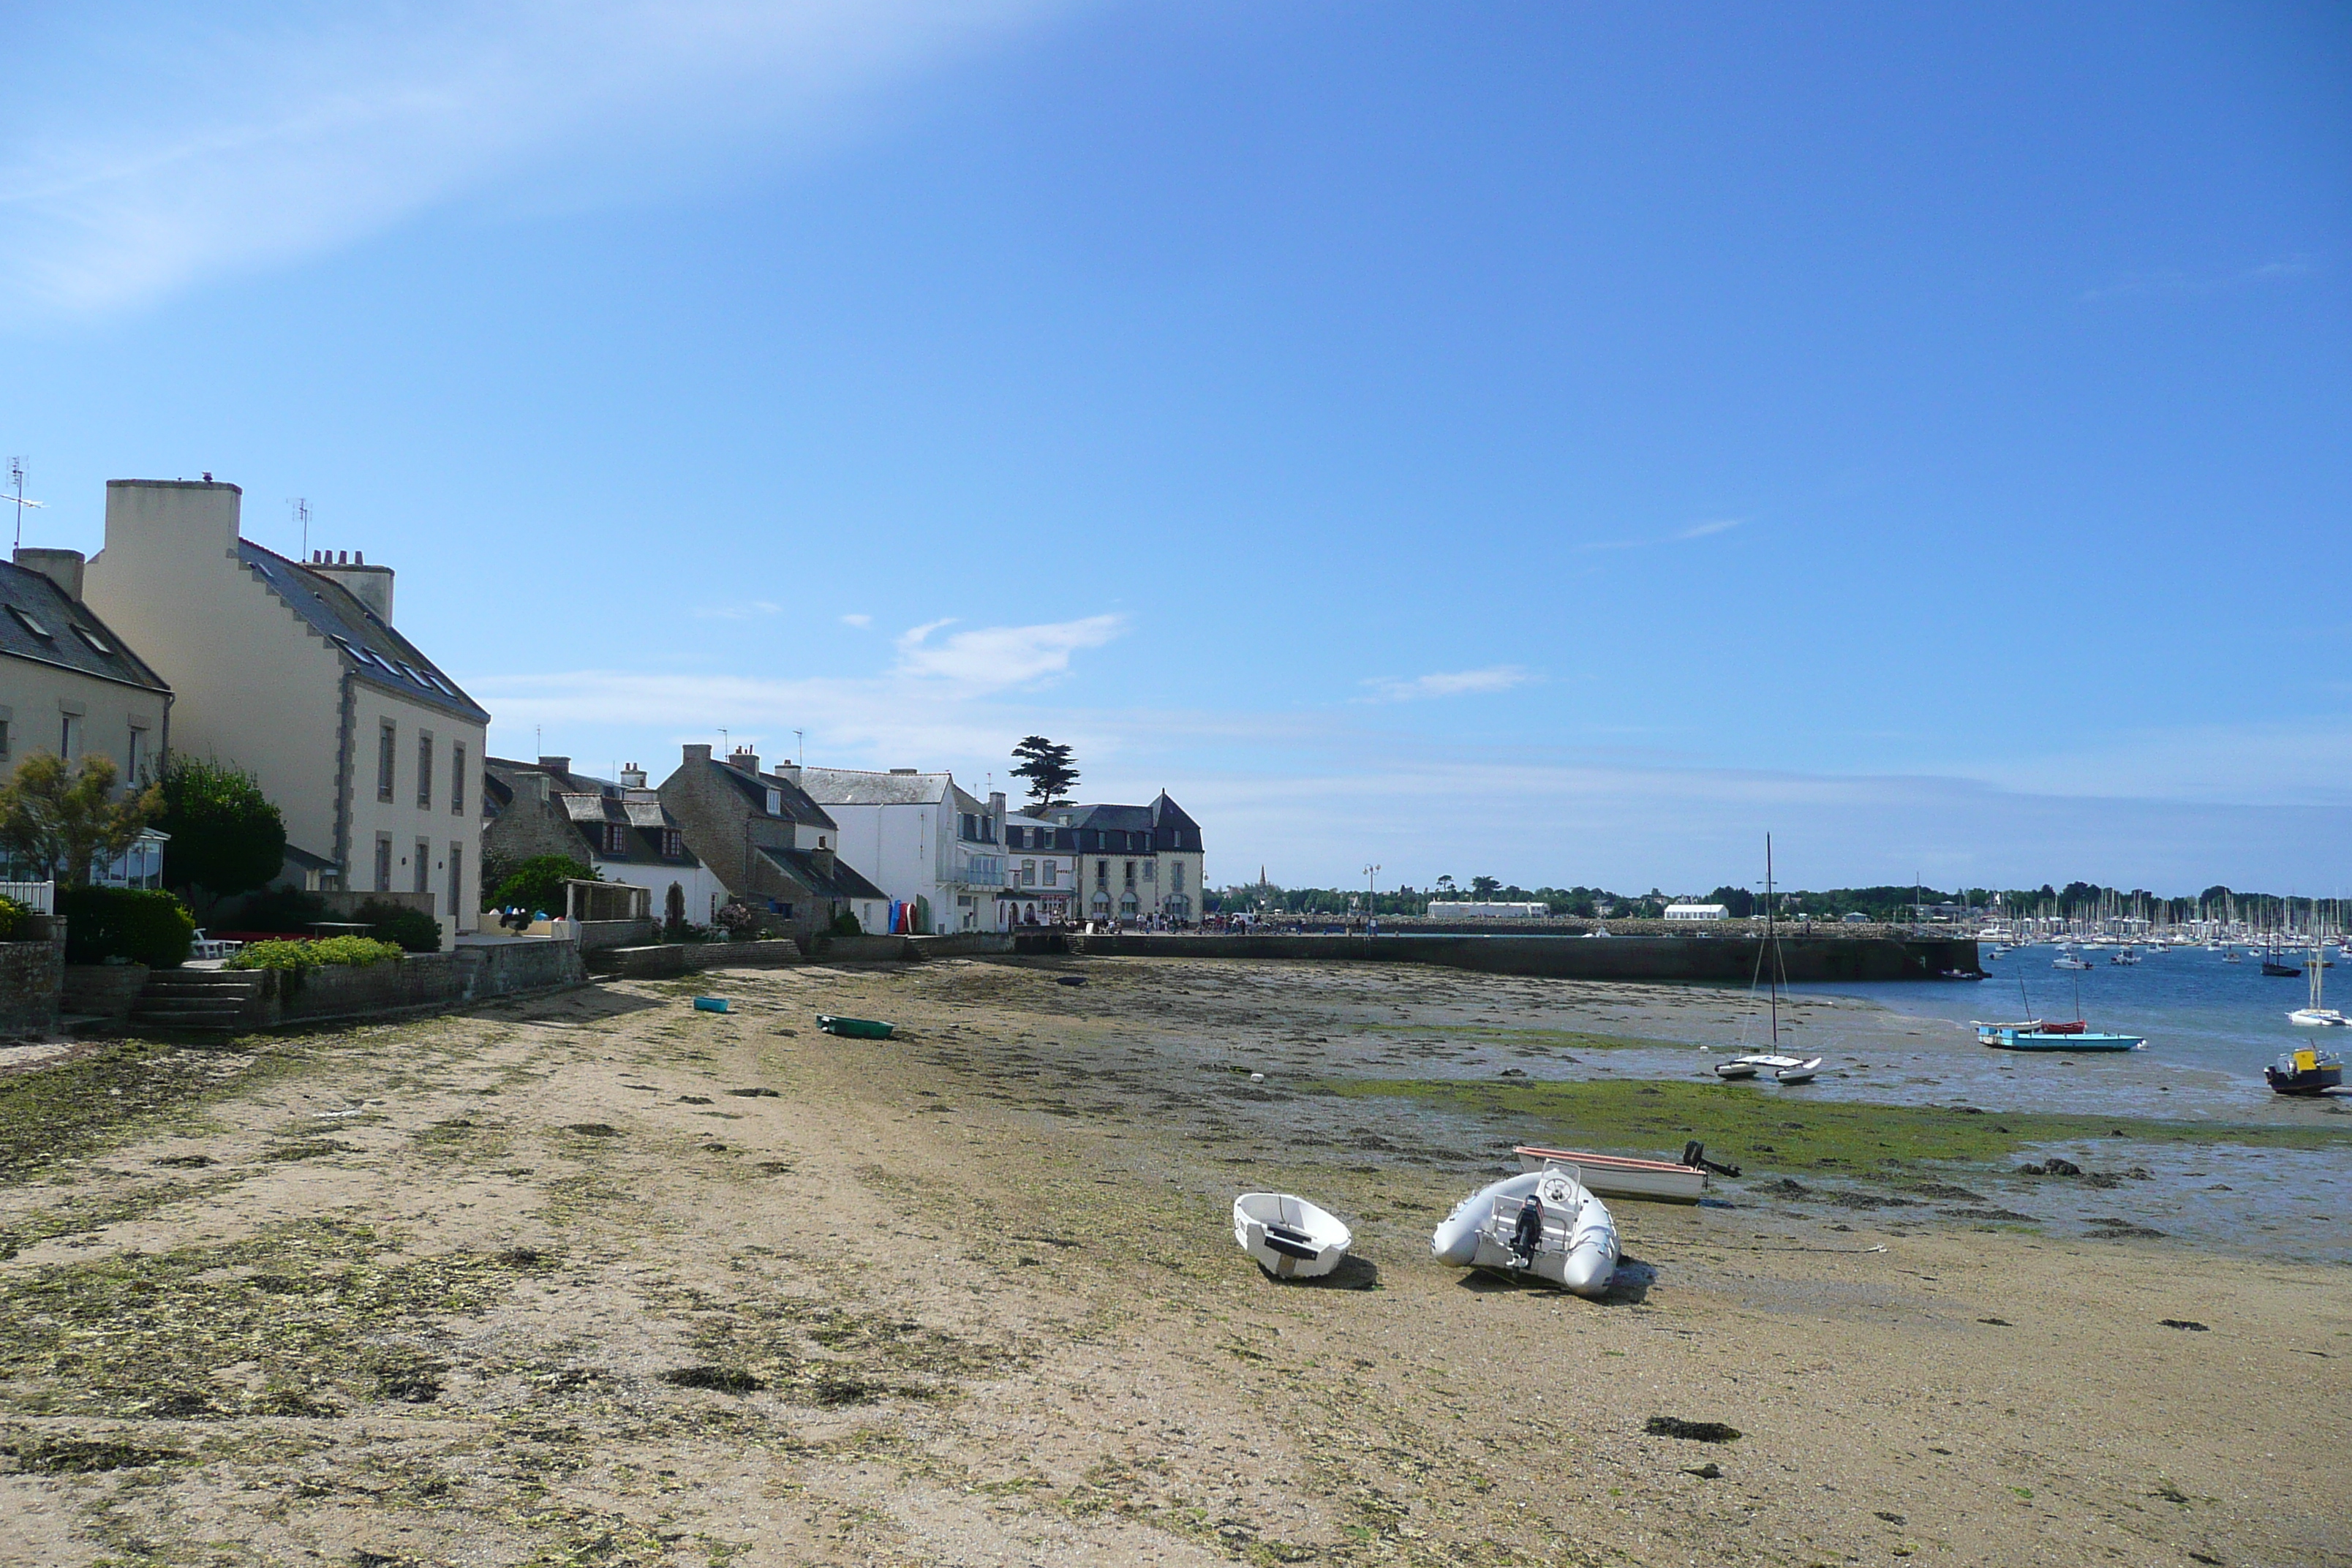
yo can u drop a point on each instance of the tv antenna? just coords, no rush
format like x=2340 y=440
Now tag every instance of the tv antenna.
x=300 y=511
x=800 y=738
x=16 y=477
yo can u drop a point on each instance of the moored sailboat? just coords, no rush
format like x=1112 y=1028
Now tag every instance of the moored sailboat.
x=1784 y=1069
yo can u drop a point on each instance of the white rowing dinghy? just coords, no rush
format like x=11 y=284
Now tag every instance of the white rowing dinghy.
x=1289 y=1237
x=1620 y=1175
x=1543 y=1223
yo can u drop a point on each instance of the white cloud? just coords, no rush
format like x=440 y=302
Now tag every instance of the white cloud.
x=2210 y=281
x=1701 y=530
x=859 y=620
x=992 y=657
x=1695 y=530
x=187 y=149
x=1454 y=683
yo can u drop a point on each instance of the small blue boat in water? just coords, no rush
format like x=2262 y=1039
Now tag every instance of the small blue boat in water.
x=2008 y=1038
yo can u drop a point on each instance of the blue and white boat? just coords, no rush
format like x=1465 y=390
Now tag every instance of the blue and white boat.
x=2014 y=1038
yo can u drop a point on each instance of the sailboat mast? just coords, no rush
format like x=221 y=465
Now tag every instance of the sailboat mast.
x=1773 y=940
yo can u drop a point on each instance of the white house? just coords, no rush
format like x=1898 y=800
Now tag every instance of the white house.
x=1695 y=911
x=926 y=842
x=1040 y=872
x=293 y=671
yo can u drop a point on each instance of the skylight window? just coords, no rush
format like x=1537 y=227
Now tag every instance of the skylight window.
x=30 y=623
x=97 y=643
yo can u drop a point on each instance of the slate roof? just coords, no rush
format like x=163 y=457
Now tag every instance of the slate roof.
x=798 y=806
x=852 y=786
x=844 y=881
x=1168 y=823
x=379 y=654
x=71 y=630
x=589 y=804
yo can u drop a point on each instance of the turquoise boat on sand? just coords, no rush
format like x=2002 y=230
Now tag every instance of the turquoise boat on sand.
x=854 y=1028
x=2004 y=1038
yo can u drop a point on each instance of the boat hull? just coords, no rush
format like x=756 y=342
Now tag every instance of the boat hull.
x=854 y=1028
x=1288 y=1237
x=2023 y=1040
x=1621 y=1176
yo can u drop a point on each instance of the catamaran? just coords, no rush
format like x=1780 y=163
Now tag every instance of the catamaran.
x=1783 y=1068
x=2315 y=1016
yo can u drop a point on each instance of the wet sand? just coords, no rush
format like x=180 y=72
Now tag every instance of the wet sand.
x=601 y=1279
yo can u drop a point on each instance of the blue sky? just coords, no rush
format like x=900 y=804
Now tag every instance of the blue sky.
x=1548 y=441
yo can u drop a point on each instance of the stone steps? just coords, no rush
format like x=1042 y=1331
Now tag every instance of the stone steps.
x=213 y=1001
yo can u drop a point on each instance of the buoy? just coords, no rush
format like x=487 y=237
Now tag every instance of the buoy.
x=710 y=1004
x=1257 y=1077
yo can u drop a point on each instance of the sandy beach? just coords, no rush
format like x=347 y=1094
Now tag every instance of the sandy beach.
x=601 y=1279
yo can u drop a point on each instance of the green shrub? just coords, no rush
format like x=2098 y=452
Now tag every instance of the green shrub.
x=279 y=908
x=145 y=925
x=410 y=928
x=536 y=885
x=298 y=956
x=846 y=925
x=16 y=920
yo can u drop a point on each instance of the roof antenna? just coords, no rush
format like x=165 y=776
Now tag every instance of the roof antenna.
x=16 y=477
x=301 y=513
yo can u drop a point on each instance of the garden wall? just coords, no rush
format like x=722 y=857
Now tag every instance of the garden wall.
x=31 y=973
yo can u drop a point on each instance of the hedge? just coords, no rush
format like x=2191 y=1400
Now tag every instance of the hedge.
x=143 y=925
x=357 y=951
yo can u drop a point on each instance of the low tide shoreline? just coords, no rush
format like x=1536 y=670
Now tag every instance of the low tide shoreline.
x=601 y=1278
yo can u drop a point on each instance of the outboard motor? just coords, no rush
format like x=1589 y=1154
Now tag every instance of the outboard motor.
x=1528 y=1234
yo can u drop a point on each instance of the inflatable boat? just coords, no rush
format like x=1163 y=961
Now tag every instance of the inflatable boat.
x=1539 y=1225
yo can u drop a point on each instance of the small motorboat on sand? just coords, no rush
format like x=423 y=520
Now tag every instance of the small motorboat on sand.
x=1621 y=1177
x=854 y=1028
x=1539 y=1225
x=1289 y=1237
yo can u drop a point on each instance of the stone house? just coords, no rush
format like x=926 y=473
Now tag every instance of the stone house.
x=767 y=841
x=620 y=830
x=294 y=672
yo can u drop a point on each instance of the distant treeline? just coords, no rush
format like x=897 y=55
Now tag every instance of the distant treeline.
x=2074 y=901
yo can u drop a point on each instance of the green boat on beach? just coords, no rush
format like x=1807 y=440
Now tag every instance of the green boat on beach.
x=854 y=1028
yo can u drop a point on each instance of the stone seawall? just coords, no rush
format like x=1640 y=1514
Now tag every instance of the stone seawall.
x=419 y=982
x=665 y=960
x=1727 y=960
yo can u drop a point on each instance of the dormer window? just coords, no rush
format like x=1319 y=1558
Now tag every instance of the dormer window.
x=26 y=619
x=672 y=844
x=775 y=803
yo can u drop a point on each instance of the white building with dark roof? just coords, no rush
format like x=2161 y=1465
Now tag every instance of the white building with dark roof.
x=293 y=671
x=1135 y=862
x=928 y=842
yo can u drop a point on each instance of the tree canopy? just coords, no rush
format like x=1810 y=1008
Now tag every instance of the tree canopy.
x=64 y=820
x=1047 y=765
x=226 y=838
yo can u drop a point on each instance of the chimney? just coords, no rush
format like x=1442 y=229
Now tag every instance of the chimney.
x=745 y=758
x=789 y=770
x=633 y=777
x=371 y=585
x=62 y=567
x=905 y=770
x=699 y=753
x=555 y=765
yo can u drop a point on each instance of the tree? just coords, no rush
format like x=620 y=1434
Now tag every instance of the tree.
x=60 y=818
x=1047 y=765
x=535 y=886
x=1484 y=887
x=226 y=839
